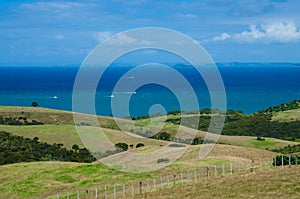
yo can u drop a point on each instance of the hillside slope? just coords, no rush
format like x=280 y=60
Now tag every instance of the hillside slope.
x=273 y=183
x=41 y=179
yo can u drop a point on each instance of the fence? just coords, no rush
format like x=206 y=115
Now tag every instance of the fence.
x=202 y=173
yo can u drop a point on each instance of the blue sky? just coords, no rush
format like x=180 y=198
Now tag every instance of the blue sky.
x=64 y=32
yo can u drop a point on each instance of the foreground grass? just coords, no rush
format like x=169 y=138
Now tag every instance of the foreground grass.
x=41 y=179
x=30 y=180
x=272 y=183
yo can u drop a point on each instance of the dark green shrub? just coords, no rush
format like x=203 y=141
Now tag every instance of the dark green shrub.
x=139 y=145
x=122 y=146
x=163 y=160
x=260 y=139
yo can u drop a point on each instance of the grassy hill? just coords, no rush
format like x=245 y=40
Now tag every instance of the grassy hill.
x=287 y=116
x=41 y=179
x=59 y=128
x=279 y=183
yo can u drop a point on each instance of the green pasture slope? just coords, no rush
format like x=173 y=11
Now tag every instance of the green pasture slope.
x=41 y=179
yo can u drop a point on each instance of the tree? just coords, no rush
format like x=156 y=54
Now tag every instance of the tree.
x=75 y=147
x=122 y=146
x=139 y=145
x=34 y=104
x=162 y=136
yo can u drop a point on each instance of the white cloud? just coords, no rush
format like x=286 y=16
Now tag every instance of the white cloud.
x=100 y=36
x=278 y=32
x=222 y=37
x=253 y=34
x=122 y=39
x=189 y=16
x=282 y=31
x=274 y=32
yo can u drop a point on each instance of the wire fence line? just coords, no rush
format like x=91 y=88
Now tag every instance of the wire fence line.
x=202 y=173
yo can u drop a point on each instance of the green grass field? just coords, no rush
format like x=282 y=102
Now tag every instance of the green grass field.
x=40 y=179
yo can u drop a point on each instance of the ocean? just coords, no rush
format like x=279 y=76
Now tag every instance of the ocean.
x=249 y=87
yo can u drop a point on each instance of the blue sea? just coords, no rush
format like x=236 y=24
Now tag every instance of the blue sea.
x=249 y=87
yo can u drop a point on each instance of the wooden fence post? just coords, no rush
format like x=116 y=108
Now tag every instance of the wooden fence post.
x=201 y=173
x=68 y=195
x=86 y=194
x=195 y=175
x=207 y=173
x=115 y=192
x=96 y=193
x=105 y=194
x=154 y=184
x=181 y=178
x=141 y=184
x=132 y=189
x=188 y=175
x=77 y=195
x=124 y=190
x=260 y=164
x=282 y=160
x=223 y=170
x=174 y=179
x=216 y=171
x=161 y=182
x=148 y=186
x=168 y=181
x=230 y=165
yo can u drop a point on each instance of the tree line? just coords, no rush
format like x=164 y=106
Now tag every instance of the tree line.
x=22 y=120
x=238 y=124
x=14 y=149
x=282 y=107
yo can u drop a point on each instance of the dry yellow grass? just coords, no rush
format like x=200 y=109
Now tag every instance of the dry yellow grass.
x=287 y=116
x=273 y=183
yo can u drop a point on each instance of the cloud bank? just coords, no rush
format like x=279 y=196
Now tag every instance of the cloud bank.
x=275 y=32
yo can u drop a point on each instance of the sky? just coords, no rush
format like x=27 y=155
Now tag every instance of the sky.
x=44 y=32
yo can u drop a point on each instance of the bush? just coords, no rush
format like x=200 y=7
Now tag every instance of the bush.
x=163 y=160
x=174 y=112
x=34 y=104
x=197 y=141
x=139 y=145
x=260 y=139
x=176 y=145
x=122 y=146
x=162 y=136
